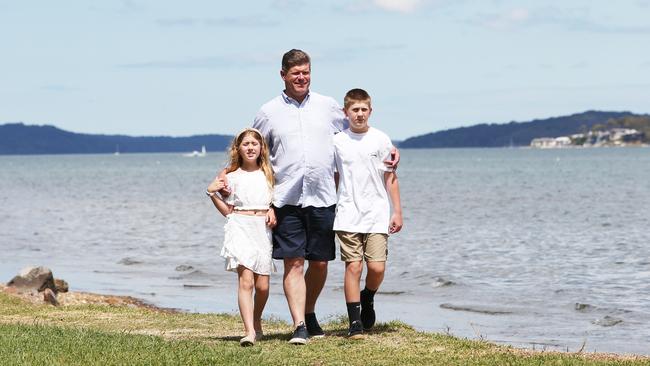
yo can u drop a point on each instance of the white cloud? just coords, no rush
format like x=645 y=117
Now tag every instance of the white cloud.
x=509 y=19
x=402 y=6
x=575 y=20
x=288 y=4
x=247 y=21
x=241 y=60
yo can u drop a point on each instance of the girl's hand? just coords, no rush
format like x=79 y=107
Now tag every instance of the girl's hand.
x=225 y=190
x=270 y=218
x=216 y=185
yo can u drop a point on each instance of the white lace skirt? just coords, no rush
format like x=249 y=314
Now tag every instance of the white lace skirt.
x=247 y=242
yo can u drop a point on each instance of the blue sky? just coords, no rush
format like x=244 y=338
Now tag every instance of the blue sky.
x=152 y=67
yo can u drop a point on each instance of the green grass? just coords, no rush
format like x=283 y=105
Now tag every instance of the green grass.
x=105 y=335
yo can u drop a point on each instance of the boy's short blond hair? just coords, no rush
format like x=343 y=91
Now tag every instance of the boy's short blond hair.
x=355 y=96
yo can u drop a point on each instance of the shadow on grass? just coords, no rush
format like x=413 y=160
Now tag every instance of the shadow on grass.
x=380 y=328
x=337 y=330
x=267 y=337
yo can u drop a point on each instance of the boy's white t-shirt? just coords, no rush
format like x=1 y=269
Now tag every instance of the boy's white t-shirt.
x=363 y=205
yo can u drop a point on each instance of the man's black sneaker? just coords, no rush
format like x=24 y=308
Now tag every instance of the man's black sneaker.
x=367 y=311
x=356 y=330
x=313 y=328
x=299 y=335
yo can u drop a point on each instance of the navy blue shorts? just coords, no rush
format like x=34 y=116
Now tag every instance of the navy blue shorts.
x=304 y=232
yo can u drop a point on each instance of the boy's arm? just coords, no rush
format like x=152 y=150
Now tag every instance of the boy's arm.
x=392 y=187
x=217 y=185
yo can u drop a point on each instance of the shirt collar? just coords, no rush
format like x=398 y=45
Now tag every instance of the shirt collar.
x=288 y=99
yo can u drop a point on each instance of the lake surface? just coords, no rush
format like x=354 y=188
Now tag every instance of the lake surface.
x=544 y=249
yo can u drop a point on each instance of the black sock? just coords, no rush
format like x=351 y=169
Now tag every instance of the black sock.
x=310 y=318
x=354 y=311
x=368 y=294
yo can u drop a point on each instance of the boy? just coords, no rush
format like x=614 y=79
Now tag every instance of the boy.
x=366 y=188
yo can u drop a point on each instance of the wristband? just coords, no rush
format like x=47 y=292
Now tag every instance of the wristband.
x=210 y=194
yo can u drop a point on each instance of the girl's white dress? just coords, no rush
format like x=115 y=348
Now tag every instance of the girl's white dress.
x=247 y=239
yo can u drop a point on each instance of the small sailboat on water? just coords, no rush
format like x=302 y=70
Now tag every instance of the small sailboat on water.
x=195 y=153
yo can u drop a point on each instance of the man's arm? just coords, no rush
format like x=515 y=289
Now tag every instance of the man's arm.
x=393 y=159
x=392 y=187
x=271 y=219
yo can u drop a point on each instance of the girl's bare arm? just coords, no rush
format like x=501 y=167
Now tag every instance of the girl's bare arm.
x=217 y=185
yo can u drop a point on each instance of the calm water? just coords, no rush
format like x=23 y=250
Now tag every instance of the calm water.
x=535 y=248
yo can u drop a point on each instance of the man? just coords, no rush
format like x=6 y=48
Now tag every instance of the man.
x=298 y=126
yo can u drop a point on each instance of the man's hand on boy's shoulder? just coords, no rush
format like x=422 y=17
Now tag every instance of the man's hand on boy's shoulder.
x=393 y=159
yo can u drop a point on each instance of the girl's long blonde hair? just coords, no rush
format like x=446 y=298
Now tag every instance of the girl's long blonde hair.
x=263 y=160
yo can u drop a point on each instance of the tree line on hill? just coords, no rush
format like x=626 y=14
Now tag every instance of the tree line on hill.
x=522 y=133
x=18 y=138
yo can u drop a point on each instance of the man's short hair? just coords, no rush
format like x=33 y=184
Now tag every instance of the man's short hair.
x=294 y=58
x=354 y=96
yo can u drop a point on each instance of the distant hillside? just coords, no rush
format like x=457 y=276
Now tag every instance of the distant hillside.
x=17 y=138
x=514 y=133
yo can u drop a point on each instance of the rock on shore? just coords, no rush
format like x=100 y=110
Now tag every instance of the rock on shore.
x=37 y=285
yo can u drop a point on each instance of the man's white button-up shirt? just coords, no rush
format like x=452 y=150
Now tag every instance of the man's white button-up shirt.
x=299 y=136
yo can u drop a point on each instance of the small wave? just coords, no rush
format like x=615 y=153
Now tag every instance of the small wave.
x=146 y=293
x=128 y=261
x=109 y=272
x=196 y=274
x=392 y=292
x=192 y=285
x=441 y=282
x=583 y=307
x=475 y=309
x=183 y=268
x=607 y=321
x=588 y=308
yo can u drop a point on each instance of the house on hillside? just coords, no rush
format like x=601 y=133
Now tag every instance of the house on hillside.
x=550 y=142
x=613 y=137
x=621 y=136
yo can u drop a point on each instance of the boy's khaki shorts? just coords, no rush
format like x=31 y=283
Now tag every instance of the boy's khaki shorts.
x=372 y=247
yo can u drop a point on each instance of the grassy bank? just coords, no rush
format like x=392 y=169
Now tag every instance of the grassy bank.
x=103 y=335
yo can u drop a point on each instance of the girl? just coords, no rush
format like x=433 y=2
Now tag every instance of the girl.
x=249 y=218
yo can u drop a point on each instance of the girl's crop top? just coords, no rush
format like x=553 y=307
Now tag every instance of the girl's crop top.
x=249 y=190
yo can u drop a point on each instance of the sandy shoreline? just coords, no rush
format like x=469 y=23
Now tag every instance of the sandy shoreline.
x=72 y=298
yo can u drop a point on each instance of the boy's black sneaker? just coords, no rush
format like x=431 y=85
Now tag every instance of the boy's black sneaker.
x=367 y=311
x=356 y=330
x=313 y=328
x=299 y=335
